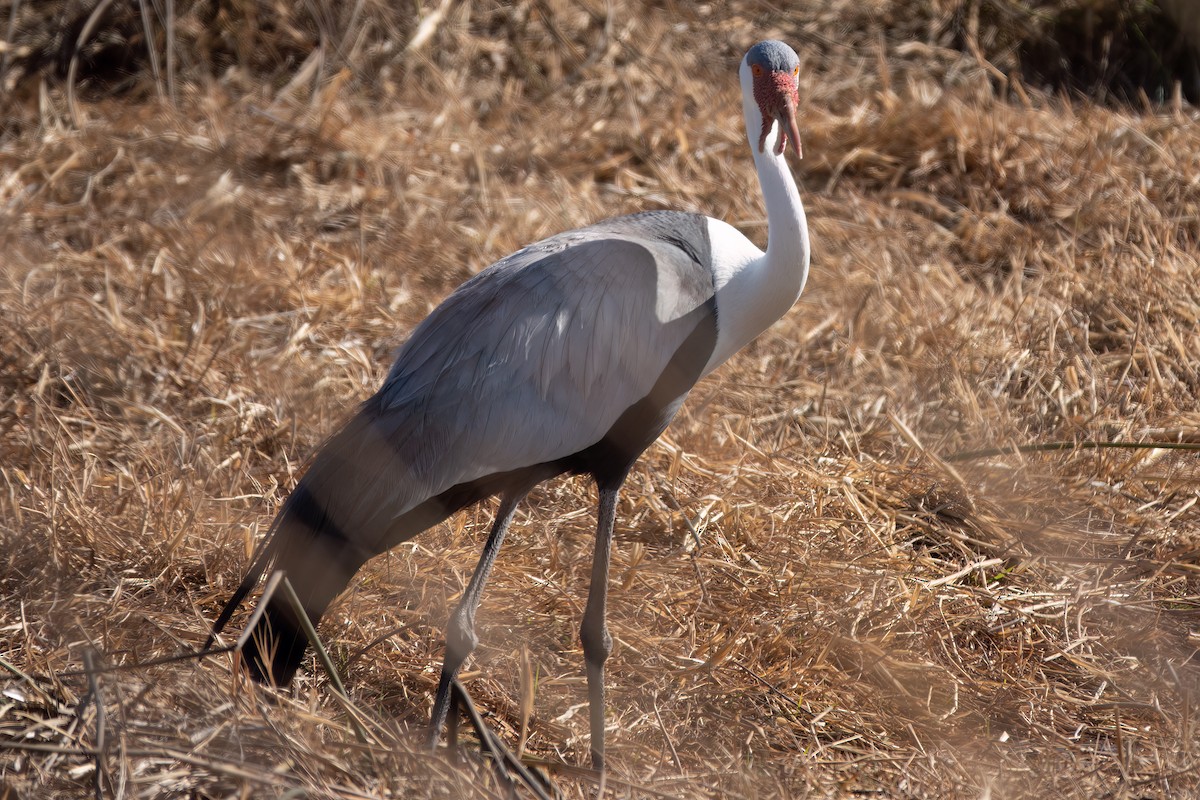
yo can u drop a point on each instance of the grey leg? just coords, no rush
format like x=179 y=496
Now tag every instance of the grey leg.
x=460 y=632
x=593 y=633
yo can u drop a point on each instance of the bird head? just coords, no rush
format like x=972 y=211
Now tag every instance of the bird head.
x=774 y=71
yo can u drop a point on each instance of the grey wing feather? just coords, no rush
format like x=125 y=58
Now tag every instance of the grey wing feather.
x=535 y=358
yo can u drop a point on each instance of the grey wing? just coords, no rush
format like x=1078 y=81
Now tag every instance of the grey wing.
x=536 y=358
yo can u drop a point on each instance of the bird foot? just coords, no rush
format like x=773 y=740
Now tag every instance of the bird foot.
x=509 y=767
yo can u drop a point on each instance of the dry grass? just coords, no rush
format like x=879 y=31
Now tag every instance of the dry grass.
x=195 y=294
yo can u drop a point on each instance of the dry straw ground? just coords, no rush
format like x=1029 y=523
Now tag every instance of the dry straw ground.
x=210 y=254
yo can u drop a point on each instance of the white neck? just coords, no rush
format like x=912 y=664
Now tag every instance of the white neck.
x=787 y=229
x=754 y=289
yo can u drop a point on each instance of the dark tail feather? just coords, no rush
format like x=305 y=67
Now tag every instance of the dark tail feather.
x=262 y=557
x=276 y=647
x=319 y=560
x=344 y=510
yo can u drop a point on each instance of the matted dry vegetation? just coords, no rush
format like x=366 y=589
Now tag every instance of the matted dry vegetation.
x=836 y=576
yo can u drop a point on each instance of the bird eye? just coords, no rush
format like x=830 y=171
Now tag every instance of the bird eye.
x=756 y=70
x=796 y=72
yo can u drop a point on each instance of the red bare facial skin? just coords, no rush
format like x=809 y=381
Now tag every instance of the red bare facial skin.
x=777 y=95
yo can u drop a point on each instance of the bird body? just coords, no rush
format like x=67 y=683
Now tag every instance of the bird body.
x=571 y=355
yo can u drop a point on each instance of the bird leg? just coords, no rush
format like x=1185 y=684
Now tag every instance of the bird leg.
x=460 y=631
x=593 y=632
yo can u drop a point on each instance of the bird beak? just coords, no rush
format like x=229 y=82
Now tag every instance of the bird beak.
x=787 y=128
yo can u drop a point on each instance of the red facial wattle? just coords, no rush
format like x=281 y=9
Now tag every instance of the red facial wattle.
x=777 y=95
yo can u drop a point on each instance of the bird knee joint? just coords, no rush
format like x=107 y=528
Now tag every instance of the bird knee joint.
x=461 y=640
x=597 y=644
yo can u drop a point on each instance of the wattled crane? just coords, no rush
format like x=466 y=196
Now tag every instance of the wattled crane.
x=569 y=356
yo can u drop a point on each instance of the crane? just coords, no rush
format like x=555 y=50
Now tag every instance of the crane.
x=570 y=355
